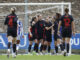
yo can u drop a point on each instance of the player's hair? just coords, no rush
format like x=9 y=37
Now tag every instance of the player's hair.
x=66 y=10
x=58 y=15
x=13 y=9
x=33 y=18
x=38 y=15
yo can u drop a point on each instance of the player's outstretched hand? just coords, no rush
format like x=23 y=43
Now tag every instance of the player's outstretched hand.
x=46 y=28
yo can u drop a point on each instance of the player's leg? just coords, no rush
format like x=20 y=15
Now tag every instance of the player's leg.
x=59 y=42
x=68 y=44
x=64 y=34
x=66 y=40
x=17 y=43
x=42 y=45
x=14 y=34
x=55 y=42
x=9 y=44
x=49 y=40
x=69 y=34
x=36 y=45
x=36 y=40
x=14 y=46
x=49 y=47
x=56 y=47
x=30 y=45
x=41 y=39
x=45 y=46
x=64 y=46
x=63 y=43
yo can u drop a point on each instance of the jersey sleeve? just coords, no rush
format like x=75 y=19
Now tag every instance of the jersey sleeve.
x=61 y=18
x=6 y=20
x=50 y=24
x=16 y=20
x=72 y=18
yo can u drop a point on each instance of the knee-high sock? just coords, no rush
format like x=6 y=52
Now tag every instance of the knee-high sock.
x=56 y=49
x=67 y=47
x=45 y=46
x=14 y=48
x=29 y=48
x=41 y=48
x=49 y=48
x=36 y=47
x=61 y=47
x=9 y=44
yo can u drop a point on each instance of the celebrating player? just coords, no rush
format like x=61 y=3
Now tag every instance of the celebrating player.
x=41 y=24
x=48 y=35
x=57 y=38
x=33 y=35
x=68 y=28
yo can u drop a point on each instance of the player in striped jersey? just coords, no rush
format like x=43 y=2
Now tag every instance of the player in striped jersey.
x=19 y=33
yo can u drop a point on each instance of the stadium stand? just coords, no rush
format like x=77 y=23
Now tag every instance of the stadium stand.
x=3 y=10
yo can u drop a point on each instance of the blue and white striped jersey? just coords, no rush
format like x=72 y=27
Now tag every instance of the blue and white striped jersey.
x=19 y=28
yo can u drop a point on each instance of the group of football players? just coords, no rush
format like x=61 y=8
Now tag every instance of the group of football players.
x=41 y=31
x=14 y=32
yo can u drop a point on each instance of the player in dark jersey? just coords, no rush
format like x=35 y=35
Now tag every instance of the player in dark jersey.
x=33 y=34
x=68 y=28
x=57 y=38
x=11 y=22
x=41 y=24
x=48 y=35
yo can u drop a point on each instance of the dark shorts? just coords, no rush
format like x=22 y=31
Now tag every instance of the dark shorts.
x=40 y=36
x=12 y=33
x=66 y=33
x=31 y=38
x=48 y=38
x=56 y=36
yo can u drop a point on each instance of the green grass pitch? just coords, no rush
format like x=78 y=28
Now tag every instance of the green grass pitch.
x=44 y=57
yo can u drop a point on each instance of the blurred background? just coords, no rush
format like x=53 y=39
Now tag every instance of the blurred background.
x=20 y=11
x=34 y=10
